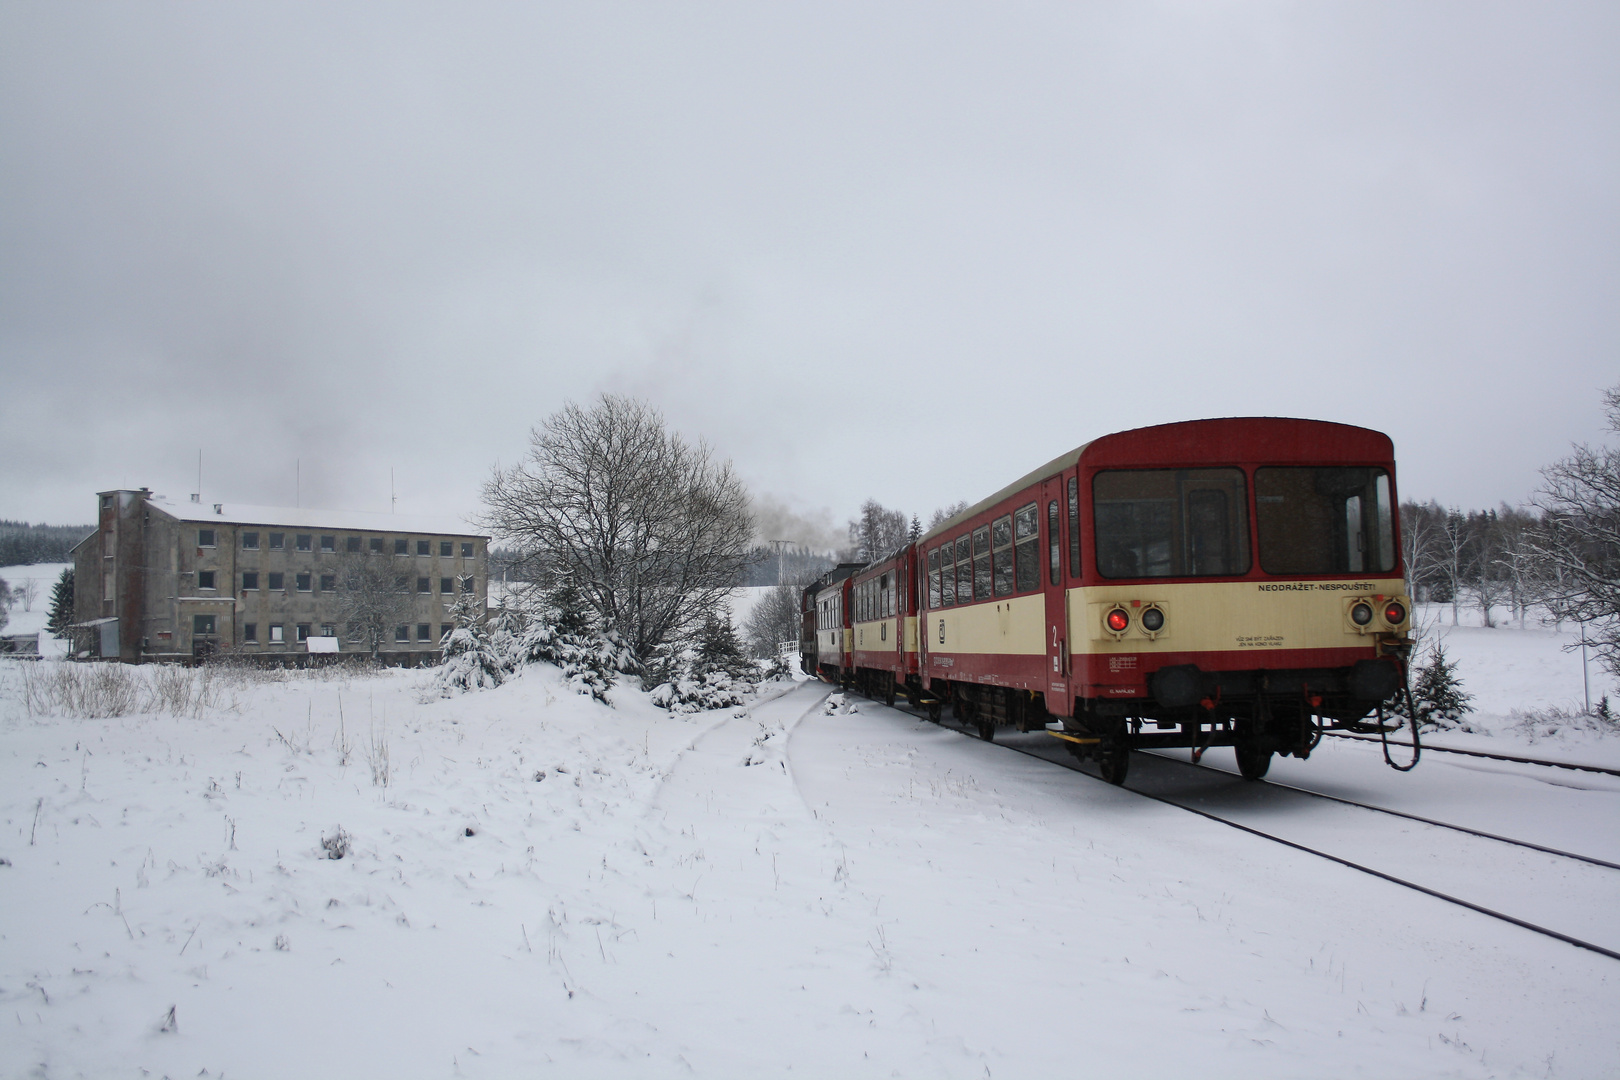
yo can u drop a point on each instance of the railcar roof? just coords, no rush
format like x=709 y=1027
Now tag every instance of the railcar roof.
x=1275 y=438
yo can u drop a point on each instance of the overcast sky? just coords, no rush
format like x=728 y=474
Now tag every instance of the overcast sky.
x=907 y=251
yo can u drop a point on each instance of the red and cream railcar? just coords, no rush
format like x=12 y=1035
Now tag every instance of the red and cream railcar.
x=826 y=639
x=883 y=627
x=1215 y=582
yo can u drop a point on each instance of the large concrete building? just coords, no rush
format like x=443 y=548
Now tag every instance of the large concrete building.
x=158 y=580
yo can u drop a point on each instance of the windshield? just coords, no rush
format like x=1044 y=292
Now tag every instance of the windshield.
x=1171 y=522
x=1325 y=520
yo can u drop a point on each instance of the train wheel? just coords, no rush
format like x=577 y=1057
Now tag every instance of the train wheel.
x=934 y=709
x=1115 y=764
x=1251 y=762
x=888 y=695
x=987 y=730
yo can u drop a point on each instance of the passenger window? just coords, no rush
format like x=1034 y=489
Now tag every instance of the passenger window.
x=1001 y=533
x=947 y=571
x=981 y=563
x=1171 y=523
x=1052 y=539
x=1026 y=536
x=1074 y=526
x=933 y=578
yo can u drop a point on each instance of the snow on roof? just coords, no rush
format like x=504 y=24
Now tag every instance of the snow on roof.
x=305 y=517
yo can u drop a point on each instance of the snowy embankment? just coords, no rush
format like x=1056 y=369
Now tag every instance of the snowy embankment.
x=533 y=883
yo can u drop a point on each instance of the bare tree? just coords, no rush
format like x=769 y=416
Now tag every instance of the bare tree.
x=1578 y=546
x=653 y=530
x=877 y=531
x=27 y=592
x=5 y=603
x=945 y=513
x=373 y=598
x=1451 y=557
x=1515 y=561
x=776 y=618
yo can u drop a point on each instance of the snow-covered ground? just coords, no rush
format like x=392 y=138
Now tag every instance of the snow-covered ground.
x=540 y=885
x=30 y=618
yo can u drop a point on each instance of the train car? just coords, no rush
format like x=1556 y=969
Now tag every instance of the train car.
x=826 y=638
x=1227 y=582
x=883 y=600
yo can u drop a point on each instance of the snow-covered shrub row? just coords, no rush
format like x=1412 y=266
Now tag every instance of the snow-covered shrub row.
x=712 y=673
x=482 y=651
x=98 y=691
x=1554 y=723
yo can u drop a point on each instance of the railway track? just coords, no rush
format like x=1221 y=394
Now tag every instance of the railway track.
x=1430 y=748
x=1057 y=755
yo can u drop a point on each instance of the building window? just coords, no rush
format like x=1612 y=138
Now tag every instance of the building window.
x=402 y=546
x=445 y=549
x=402 y=583
x=202 y=625
x=424 y=547
x=277 y=581
x=278 y=541
x=303 y=632
x=352 y=545
x=402 y=633
x=328 y=544
x=275 y=634
x=466 y=551
x=250 y=633
x=302 y=581
x=250 y=541
x=424 y=584
x=376 y=545
x=328 y=582
x=302 y=543
x=465 y=583
x=328 y=629
x=446 y=585
x=109 y=544
x=250 y=581
x=205 y=538
x=424 y=632
x=444 y=630
x=106 y=502
x=107 y=584
x=205 y=579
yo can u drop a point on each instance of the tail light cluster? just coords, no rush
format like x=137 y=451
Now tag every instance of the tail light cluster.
x=1377 y=614
x=1147 y=617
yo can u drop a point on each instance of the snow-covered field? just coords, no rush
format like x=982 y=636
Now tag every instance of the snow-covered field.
x=534 y=884
x=25 y=617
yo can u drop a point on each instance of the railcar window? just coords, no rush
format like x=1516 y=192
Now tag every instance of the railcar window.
x=1026 y=537
x=981 y=560
x=933 y=578
x=1001 y=542
x=1171 y=522
x=1052 y=539
x=947 y=574
x=1329 y=520
x=964 y=570
x=1074 y=526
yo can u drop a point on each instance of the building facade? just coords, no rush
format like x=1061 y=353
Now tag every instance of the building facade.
x=163 y=581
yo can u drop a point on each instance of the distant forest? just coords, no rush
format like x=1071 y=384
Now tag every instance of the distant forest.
x=22 y=543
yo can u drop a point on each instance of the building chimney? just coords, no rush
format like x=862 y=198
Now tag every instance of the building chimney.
x=219 y=508
x=196 y=497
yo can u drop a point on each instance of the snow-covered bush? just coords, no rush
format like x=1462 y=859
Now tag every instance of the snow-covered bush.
x=561 y=631
x=1437 y=695
x=471 y=661
x=712 y=673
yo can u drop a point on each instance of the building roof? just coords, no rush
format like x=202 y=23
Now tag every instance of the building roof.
x=305 y=517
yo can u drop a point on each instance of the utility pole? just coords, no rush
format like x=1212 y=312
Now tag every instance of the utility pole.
x=781 y=571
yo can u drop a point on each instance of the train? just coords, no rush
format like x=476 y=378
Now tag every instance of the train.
x=1223 y=582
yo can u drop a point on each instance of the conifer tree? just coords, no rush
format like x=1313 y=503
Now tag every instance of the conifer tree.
x=61 y=604
x=470 y=660
x=1438 y=697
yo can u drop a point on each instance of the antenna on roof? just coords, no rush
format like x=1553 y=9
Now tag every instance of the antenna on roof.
x=196 y=496
x=298 y=482
x=392 y=498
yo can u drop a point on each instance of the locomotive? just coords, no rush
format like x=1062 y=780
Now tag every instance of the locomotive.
x=1225 y=582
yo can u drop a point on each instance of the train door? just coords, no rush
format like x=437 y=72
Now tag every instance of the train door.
x=1057 y=629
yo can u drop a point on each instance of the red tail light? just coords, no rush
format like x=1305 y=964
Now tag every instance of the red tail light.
x=1394 y=614
x=1118 y=620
